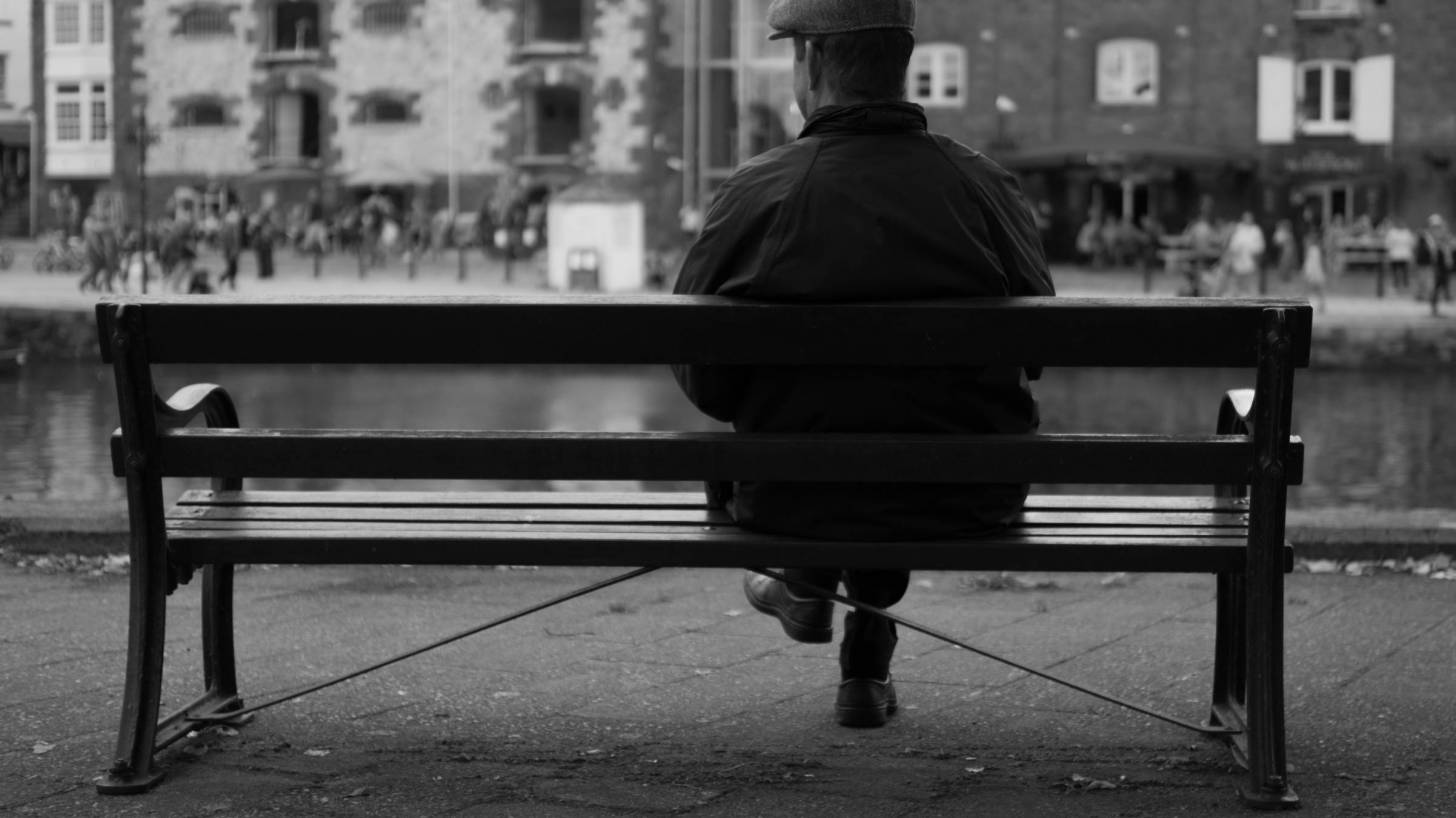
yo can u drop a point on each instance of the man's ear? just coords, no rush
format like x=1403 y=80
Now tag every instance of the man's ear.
x=814 y=63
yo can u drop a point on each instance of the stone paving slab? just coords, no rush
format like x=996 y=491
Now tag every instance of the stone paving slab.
x=629 y=704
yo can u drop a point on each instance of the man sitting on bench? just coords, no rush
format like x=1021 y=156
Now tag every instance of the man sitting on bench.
x=866 y=205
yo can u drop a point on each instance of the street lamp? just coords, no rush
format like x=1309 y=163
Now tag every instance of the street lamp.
x=1005 y=107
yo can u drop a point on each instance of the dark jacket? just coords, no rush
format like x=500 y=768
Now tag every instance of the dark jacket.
x=868 y=205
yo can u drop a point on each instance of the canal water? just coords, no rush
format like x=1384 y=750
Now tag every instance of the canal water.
x=1384 y=440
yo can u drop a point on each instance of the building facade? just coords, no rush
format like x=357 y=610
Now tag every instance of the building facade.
x=74 y=90
x=15 y=117
x=1130 y=108
x=439 y=100
x=1127 y=108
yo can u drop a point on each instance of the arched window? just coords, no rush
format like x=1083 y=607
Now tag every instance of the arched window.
x=937 y=76
x=385 y=16
x=1127 y=72
x=202 y=113
x=202 y=22
x=384 y=109
x=1326 y=97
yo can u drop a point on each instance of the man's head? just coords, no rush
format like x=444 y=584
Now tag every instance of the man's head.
x=846 y=51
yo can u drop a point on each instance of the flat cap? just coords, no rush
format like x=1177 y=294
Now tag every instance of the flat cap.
x=790 y=17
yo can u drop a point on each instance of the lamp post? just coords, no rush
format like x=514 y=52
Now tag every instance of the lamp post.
x=143 y=137
x=1005 y=107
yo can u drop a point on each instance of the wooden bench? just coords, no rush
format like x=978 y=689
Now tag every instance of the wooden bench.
x=1235 y=529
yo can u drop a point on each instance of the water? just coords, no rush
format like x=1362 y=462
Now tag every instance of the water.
x=1382 y=440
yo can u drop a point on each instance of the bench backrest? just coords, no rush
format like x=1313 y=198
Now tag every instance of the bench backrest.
x=137 y=333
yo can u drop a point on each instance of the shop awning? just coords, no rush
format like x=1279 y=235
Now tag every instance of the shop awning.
x=1117 y=150
x=14 y=134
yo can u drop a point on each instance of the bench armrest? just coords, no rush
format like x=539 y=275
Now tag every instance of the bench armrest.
x=1235 y=415
x=206 y=399
x=217 y=409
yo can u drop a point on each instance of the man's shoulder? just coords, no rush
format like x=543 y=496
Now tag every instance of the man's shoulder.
x=968 y=160
x=790 y=155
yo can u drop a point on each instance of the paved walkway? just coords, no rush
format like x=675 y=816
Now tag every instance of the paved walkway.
x=1352 y=296
x=669 y=696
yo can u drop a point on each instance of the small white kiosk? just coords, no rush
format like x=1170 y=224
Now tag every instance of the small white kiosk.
x=595 y=239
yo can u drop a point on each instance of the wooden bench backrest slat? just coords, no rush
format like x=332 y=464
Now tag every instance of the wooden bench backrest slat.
x=1100 y=459
x=655 y=329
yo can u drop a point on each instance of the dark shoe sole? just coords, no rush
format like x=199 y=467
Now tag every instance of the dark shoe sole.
x=797 y=631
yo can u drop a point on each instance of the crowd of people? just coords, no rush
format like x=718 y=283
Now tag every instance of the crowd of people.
x=376 y=231
x=1225 y=257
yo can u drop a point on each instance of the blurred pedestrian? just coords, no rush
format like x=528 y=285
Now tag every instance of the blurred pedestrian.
x=1437 y=250
x=262 y=235
x=230 y=240
x=1400 y=253
x=1314 y=267
x=1245 y=250
x=1286 y=250
x=93 y=228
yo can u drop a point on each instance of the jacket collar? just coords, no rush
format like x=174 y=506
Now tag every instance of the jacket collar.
x=865 y=117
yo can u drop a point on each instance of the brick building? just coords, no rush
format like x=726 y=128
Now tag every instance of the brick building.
x=1133 y=107
x=1124 y=107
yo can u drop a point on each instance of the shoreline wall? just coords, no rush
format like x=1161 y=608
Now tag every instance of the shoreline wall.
x=70 y=335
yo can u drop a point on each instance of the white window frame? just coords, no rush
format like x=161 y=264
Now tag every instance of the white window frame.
x=1325 y=124
x=98 y=113
x=96 y=23
x=63 y=97
x=72 y=7
x=937 y=76
x=92 y=101
x=1137 y=63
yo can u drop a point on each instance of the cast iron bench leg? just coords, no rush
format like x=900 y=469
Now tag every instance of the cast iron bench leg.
x=133 y=769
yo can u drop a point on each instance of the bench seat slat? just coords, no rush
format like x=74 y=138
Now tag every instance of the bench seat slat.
x=644 y=516
x=666 y=456
x=689 y=531
x=1002 y=553
x=640 y=499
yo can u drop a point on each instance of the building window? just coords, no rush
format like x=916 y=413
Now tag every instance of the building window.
x=68 y=113
x=203 y=113
x=4 y=76
x=1326 y=97
x=1327 y=8
x=555 y=21
x=554 y=120
x=384 y=109
x=386 y=16
x=295 y=26
x=938 y=75
x=97 y=23
x=100 y=122
x=67 y=23
x=203 y=22
x=1127 y=72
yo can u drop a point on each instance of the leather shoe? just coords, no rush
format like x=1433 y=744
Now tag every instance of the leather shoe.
x=865 y=702
x=805 y=619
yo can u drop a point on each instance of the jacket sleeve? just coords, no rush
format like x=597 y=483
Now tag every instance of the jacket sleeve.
x=723 y=261
x=1015 y=236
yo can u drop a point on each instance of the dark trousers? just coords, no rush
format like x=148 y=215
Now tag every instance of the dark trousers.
x=265 y=260
x=869 y=641
x=1440 y=287
x=229 y=272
